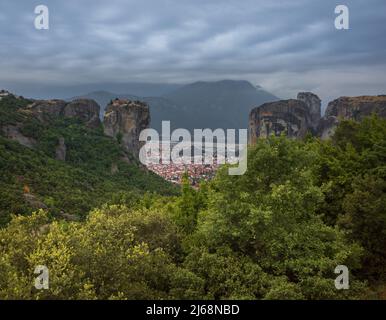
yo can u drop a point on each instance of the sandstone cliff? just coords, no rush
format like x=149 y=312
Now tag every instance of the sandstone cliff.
x=13 y=132
x=290 y=116
x=124 y=120
x=352 y=108
x=45 y=110
x=83 y=109
x=295 y=117
x=314 y=107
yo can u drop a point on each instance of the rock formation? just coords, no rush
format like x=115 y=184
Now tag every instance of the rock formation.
x=34 y=202
x=314 y=106
x=296 y=117
x=13 y=132
x=45 y=110
x=124 y=120
x=60 y=151
x=290 y=116
x=356 y=108
x=350 y=108
x=84 y=109
x=326 y=127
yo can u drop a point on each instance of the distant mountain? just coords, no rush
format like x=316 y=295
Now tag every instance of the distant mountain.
x=54 y=91
x=220 y=104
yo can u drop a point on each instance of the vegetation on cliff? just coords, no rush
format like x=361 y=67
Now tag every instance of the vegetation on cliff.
x=96 y=170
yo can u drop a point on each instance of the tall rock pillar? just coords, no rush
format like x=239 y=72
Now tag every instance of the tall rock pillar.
x=314 y=106
x=124 y=120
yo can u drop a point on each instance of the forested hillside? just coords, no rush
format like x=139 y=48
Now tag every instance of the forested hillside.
x=96 y=169
x=277 y=232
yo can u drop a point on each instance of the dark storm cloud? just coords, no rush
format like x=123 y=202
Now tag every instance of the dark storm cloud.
x=285 y=46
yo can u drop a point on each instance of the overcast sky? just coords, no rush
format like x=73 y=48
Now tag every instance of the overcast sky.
x=284 y=46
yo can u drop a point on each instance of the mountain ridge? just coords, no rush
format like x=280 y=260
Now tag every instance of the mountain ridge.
x=201 y=104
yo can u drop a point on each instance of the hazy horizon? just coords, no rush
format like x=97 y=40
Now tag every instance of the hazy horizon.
x=285 y=47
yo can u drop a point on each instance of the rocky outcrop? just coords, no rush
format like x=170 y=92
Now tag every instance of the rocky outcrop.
x=34 y=202
x=84 y=109
x=350 y=108
x=356 y=108
x=60 y=151
x=314 y=106
x=13 y=132
x=124 y=120
x=289 y=116
x=294 y=117
x=326 y=127
x=45 y=110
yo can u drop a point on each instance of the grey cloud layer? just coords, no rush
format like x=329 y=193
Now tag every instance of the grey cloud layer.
x=283 y=45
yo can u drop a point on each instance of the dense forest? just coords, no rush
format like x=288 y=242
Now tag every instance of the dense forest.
x=276 y=232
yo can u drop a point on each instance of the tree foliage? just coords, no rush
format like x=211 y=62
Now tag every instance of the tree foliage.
x=276 y=232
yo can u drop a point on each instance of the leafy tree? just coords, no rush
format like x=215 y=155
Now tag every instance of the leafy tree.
x=365 y=219
x=351 y=172
x=104 y=257
x=355 y=149
x=276 y=232
x=269 y=215
x=186 y=207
